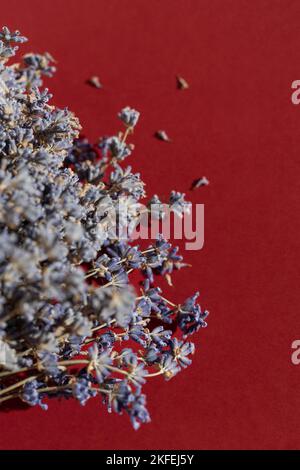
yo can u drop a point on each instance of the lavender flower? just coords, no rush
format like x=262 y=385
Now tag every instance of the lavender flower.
x=168 y=366
x=115 y=147
x=129 y=116
x=178 y=204
x=160 y=337
x=31 y=395
x=191 y=317
x=6 y=39
x=138 y=412
x=82 y=391
x=181 y=351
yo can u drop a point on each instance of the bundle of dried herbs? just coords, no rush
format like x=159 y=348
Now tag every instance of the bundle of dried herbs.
x=71 y=322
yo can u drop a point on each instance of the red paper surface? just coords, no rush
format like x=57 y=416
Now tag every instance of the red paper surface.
x=237 y=126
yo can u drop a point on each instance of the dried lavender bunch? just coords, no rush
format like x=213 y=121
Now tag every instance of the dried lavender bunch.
x=71 y=323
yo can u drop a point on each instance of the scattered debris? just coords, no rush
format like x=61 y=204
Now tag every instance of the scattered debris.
x=200 y=182
x=182 y=84
x=94 y=81
x=162 y=135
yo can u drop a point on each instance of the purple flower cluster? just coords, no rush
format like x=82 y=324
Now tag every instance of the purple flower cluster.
x=71 y=322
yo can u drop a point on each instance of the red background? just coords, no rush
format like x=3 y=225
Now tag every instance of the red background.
x=236 y=125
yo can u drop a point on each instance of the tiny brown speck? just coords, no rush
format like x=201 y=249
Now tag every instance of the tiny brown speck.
x=94 y=81
x=182 y=84
x=162 y=135
x=200 y=182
